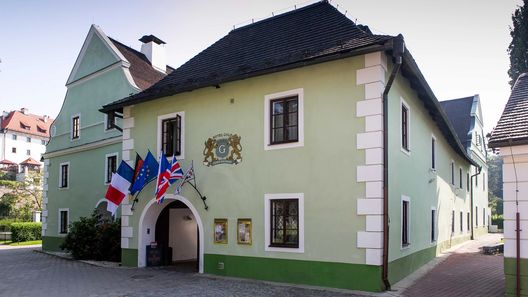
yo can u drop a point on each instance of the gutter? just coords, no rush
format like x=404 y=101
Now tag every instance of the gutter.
x=479 y=170
x=398 y=48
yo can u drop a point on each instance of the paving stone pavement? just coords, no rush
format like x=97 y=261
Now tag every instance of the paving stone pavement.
x=465 y=273
x=24 y=272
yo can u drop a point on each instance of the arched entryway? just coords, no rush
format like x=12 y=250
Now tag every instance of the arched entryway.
x=175 y=224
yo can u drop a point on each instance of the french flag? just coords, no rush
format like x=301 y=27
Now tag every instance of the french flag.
x=118 y=188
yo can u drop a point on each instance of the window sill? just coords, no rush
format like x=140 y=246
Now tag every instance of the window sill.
x=286 y=145
x=405 y=151
x=284 y=249
x=405 y=246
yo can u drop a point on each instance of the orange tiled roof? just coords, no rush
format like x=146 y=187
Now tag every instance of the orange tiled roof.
x=30 y=161
x=27 y=123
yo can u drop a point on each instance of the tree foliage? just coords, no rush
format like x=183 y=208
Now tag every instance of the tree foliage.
x=20 y=198
x=495 y=183
x=518 y=48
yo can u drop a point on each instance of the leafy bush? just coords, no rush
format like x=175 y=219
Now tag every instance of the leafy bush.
x=497 y=220
x=94 y=238
x=5 y=225
x=26 y=231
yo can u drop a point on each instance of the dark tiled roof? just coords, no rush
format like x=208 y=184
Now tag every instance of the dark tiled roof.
x=140 y=68
x=284 y=41
x=459 y=114
x=513 y=124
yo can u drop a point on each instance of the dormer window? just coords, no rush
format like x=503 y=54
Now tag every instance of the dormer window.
x=25 y=126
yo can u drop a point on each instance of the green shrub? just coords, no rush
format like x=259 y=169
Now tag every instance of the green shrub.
x=5 y=225
x=26 y=231
x=94 y=238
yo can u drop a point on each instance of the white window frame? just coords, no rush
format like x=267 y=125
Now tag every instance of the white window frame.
x=404 y=103
x=461 y=177
x=300 y=121
x=28 y=152
x=267 y=222
x=67 y=178
x=408 y=199
x=435 y=157
x=67 y=210
x=433 y=241
x=105 y=123
x=71 y=127
x=28 y=139
x=116 y=154
x=14 y=136
x=181 y=156
x=452 y=172
x=461 y=219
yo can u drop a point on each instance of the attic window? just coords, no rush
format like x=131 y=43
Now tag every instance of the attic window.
x=24 y=126
x=41 y=130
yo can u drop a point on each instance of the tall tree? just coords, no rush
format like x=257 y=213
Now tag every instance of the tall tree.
x=518 y=48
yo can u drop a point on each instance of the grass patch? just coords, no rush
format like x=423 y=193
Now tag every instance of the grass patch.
x=23 y=243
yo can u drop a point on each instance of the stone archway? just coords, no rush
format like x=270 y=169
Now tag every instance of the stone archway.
x=147 y=225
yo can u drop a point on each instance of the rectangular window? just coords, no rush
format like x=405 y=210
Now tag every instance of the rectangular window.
x=43 y=142
x=467 y=181
x=433 y=225
x=109 y=121
x=28 y=139
x=468 y=221
x=460 y=181
x=63 y=175
x=14 y=137
x=476 y=180
x=405 y=127
x=484 y=181
x=452 y=173
x=284 y=120
x=483 y=217
x=284 y=223
x=76 y=122
x=476 y=216
x=461 y=222
x=453 y=221
x=63 y=221
x=28 y=152
x=171 y=136
x=13 y=150
x=405 y=223
x=111 y=167
x=433 y=153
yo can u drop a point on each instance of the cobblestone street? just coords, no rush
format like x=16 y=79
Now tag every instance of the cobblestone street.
x=24 y=272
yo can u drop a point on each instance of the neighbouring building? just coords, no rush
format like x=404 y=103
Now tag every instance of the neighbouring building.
x=510 y=139
x=85 y=145
x=23 y=139
x=465 y=115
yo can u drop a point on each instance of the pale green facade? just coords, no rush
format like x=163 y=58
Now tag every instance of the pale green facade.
x=333 y=169
x=98 y=77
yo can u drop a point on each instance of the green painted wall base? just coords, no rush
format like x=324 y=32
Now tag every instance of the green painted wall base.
x=402 y=267
x=129 y=257
x=326 y=274
x=510 y=271
x=50 y=243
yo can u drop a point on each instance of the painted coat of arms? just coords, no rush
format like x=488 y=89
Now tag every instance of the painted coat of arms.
x=222 y=148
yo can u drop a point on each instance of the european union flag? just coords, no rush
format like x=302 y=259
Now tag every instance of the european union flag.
x=147 y=173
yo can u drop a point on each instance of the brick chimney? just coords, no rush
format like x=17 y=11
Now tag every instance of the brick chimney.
x=154 y=49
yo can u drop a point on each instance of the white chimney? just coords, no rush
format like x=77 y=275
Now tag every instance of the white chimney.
x=24 y=110
x=45 y=118
x=154 y=49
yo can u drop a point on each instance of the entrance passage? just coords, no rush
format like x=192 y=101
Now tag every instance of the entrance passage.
x=177 y=239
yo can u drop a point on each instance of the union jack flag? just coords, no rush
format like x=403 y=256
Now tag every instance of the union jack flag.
x=176 y=172
x=163 y=181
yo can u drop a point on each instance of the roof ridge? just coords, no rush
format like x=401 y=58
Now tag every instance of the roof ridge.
x=286 y=13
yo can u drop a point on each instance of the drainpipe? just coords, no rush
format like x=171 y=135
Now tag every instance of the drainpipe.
x=479 y=169
x=398 y=48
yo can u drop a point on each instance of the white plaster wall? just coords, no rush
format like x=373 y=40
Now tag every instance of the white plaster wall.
x=515 y=185
x=183 y=235
x=21 y=144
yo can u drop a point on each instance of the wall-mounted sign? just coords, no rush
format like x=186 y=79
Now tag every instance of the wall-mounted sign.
x=222 y=148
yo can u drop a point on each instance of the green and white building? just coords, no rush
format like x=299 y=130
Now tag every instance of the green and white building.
x=324 y=155
x=85 y=146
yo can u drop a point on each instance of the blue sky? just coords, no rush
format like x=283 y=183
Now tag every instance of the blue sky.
x=460 y=46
